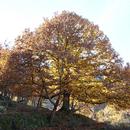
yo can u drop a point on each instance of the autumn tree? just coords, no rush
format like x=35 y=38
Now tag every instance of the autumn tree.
x=81 y=58
x=121 y=89
x=28 y=69
x=4 y=55
x=66 y=57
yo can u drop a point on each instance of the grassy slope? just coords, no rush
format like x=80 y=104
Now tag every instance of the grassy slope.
x=26 y=117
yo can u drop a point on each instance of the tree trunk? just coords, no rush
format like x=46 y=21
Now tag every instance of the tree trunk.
x=34 y=102
x=5 y=93
x=66 y=101
x=54 y=110
x=39 y=102
x=40 y=98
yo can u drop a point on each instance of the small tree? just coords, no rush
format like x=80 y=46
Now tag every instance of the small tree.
x=4 y=55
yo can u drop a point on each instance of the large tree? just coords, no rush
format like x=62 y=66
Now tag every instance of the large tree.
x=67 y=56
x=81 y=58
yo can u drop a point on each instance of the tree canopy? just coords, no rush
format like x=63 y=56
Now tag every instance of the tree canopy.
x=67 y=57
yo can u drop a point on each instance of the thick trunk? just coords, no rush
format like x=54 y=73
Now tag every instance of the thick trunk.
x=66 y=101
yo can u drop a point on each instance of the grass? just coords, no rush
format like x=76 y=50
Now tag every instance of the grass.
x=23 y=117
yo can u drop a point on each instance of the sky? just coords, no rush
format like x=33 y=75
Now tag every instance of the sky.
x=112 y=16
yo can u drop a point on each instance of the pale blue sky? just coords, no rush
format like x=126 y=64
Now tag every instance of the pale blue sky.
x=112 y=16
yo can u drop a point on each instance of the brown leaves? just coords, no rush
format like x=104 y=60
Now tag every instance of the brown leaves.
x=68 y=53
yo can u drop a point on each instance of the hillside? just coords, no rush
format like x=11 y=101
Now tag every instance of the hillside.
x=18 y=116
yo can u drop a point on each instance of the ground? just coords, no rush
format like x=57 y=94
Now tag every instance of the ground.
x=18 y=116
